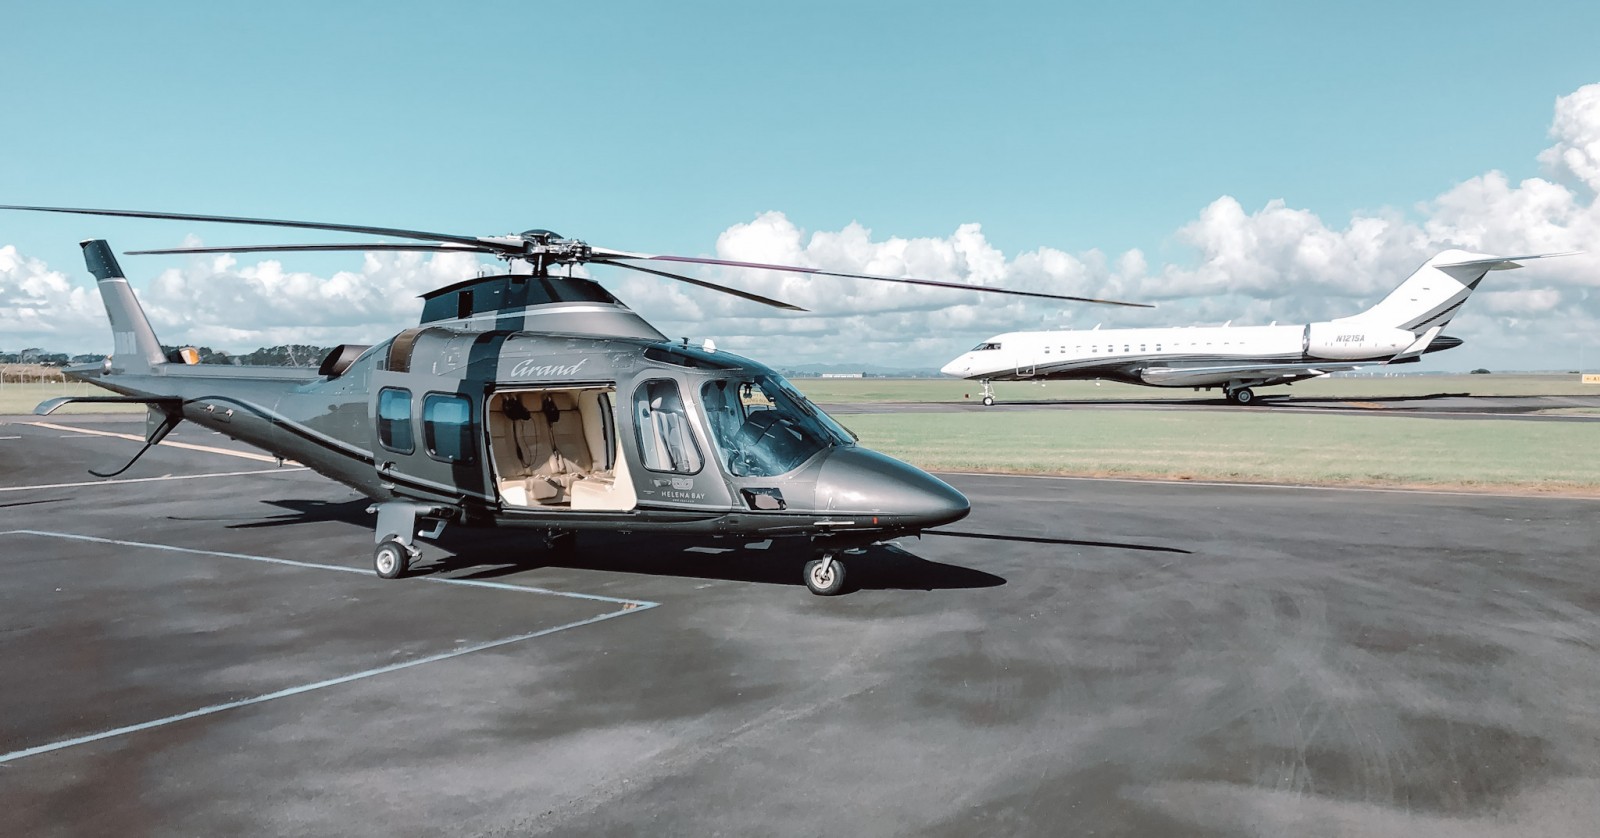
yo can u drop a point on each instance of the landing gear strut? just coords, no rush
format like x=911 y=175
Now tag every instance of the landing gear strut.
x=988 y=393
x=825 y=576
x=394 y=534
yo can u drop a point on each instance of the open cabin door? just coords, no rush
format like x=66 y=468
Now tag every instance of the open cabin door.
x=557 y=448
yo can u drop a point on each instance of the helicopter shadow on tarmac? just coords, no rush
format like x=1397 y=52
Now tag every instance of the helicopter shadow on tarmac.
x=488 y=553
x=1067 y=542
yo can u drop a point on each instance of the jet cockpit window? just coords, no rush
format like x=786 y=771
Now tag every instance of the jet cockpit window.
x=666 y=442
x=763 y=427
x=984 y=347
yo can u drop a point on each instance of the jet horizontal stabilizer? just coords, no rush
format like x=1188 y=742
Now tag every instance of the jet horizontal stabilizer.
x=1505 y=263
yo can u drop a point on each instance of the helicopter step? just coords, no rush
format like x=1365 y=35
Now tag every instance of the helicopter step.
x=395 y=534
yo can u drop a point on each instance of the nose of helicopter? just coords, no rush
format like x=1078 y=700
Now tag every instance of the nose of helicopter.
x=856 y=480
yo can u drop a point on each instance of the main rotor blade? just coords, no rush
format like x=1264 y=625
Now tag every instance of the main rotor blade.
x=757 y=298
x=443 y=247
x=262 y=222
x=618 y=254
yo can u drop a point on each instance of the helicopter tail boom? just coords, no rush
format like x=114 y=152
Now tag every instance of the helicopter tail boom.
x=136 y=348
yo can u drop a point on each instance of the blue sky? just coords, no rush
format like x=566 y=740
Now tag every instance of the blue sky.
x=1090 y=130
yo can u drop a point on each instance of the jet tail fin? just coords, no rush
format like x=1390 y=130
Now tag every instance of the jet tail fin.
x=1430 y=297
x=136 y=348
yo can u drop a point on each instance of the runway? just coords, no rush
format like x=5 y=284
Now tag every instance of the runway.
x=1436 y=406
x=200 y=647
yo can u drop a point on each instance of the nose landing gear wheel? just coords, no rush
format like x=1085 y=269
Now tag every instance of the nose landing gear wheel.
x=392 y=559
x=825 y=576
x=988 y=393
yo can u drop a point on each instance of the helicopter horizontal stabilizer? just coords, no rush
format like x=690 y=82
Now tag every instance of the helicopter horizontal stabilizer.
x=50 y=406
x=164 y=415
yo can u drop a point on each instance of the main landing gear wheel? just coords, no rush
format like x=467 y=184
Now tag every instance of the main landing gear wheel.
x=825 y=576
x=392 y=559
x=1241 y=396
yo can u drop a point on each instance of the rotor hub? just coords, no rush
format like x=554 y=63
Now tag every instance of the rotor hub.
x=544 y=247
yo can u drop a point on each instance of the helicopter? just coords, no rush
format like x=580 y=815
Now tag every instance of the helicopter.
x=534 y=400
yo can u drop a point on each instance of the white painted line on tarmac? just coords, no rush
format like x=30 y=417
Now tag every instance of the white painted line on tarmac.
x=248 y=455
x=10 y=437
x=1298 y=486
x=305 y=688
x=150 y=479
x=630 y=606
x=475 y=583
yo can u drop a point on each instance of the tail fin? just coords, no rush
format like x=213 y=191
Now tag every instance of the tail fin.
x=1438 y=289
x=136 y=349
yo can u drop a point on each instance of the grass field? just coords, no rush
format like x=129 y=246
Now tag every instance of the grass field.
x=1251 y=447
x=18 y=399
x=855 y=390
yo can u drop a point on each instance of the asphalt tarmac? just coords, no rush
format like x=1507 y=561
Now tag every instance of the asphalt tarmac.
x=1434 y=406
x=200 y=648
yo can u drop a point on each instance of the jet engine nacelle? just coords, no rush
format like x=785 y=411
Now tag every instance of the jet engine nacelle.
x=1350 y=341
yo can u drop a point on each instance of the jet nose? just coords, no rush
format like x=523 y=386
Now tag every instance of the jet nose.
x=860 y=481
x=958 y=367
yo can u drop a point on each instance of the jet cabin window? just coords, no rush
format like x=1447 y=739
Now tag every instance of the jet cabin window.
x=665 y=441
x=763 y=427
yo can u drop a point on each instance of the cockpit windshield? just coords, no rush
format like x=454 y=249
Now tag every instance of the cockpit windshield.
x=763 y=427
x=983 y=347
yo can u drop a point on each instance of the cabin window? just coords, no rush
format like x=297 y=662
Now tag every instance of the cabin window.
x=662 y=423
x=394 y=420
x=1125 y=348
x=447 y=427
x=1141 y=347
x=1047 y=350
x=1158 y=347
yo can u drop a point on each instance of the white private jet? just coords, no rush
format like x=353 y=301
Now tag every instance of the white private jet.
x=1400 y=329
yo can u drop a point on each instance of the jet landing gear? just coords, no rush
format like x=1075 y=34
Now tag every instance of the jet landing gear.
x=1240 y=395
x=825 y=575
x=988 y=393
x=394 y=534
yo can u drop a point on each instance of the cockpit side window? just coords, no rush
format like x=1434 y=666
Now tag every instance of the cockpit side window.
x=666 y=442
x=984 y=347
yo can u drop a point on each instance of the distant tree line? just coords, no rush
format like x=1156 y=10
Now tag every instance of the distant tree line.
x=46 y=358
x=289 y=355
